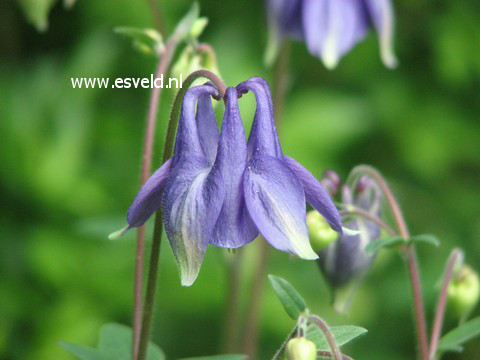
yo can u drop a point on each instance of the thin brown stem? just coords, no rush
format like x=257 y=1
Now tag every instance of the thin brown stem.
x=410 y=254
x=157 y=15
x=151 y=287
x=251 y=328
x=442 y=301
x=279 y=351
x=337 y=355
x=365 y=214
x=161 y=70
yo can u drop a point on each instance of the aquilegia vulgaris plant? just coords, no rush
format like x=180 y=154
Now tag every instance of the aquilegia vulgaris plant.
x=218 y=189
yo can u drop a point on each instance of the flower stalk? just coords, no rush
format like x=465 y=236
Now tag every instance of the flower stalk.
x=409 y=253
x=455 y=256
x=336 y=354
x=162 y=69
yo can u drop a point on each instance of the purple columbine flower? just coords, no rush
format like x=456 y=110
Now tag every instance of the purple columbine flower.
x=331 y=28
x=346 y=260
x=218 y=189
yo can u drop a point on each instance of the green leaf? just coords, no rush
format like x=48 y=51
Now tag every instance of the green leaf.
x=460 y=335
x=425 y=238
x=36 y=12
x=342 y=334
x=147 y=41
x=292 y=301
x=219 y=357
x=115 y=344
x=381 y=243
x=83 y=352
x=185 y=25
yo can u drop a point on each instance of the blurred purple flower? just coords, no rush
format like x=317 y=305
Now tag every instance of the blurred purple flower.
x=218 y=189
x=345 y=261
x=331 y=28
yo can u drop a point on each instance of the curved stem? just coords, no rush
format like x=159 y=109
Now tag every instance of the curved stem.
x=337 y=355
x=157 y=230
x=356 y=211
x=410 y=254
x=174 y=115
x=162 y=69
x=279 y=351
x=442 y=300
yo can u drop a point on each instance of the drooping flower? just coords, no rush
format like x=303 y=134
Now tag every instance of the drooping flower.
x=345 y=261
x=331 y=28
x=218 y=189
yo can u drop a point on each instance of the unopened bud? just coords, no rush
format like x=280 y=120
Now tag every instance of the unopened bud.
x=301 y=349
x=463 y=292
x=321 y=234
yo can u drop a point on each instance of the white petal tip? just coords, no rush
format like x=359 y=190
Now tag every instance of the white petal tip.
x=330 y=62
x=307 y=254
x=187 y=281
x=350 y=232
x=118 y=234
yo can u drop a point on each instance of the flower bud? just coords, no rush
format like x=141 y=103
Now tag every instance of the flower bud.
x=463 y=292
x=321 y=234
x=301 y=349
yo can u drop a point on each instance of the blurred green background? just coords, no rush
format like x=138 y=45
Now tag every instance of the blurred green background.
x=70 y=164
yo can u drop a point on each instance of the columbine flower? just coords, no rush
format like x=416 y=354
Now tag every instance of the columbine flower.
x=345 y=261
x=332 y=27
x=219 y=190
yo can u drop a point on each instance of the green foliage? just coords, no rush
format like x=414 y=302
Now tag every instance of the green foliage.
x=384 y=243
x=148 y=41
x=398 y=240
x=453 y=340
x=342 y=334
x=292 y=301
x=36 y=12
x=70 y=168
x=115 y=343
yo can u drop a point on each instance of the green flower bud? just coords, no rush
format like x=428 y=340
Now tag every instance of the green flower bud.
x=301 y=349
x=463 y=292
x=198 y=26
x=321 y=234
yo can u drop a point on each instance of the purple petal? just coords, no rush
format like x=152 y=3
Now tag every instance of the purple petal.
x=316 y=195
x=276 y=203
x=148 y=199
x=263 y=136
x=234 y=226
x=207 y=127
x=188 y=141
x=381 y=14
x=333 y=27
x=285 y=16
x=191 y=202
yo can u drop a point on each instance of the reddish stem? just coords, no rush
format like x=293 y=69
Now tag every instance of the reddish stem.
x=162 y=69
x=410 y=254
x=442 y=301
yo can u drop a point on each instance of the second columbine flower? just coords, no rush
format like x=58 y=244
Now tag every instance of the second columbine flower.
x=220 y=189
